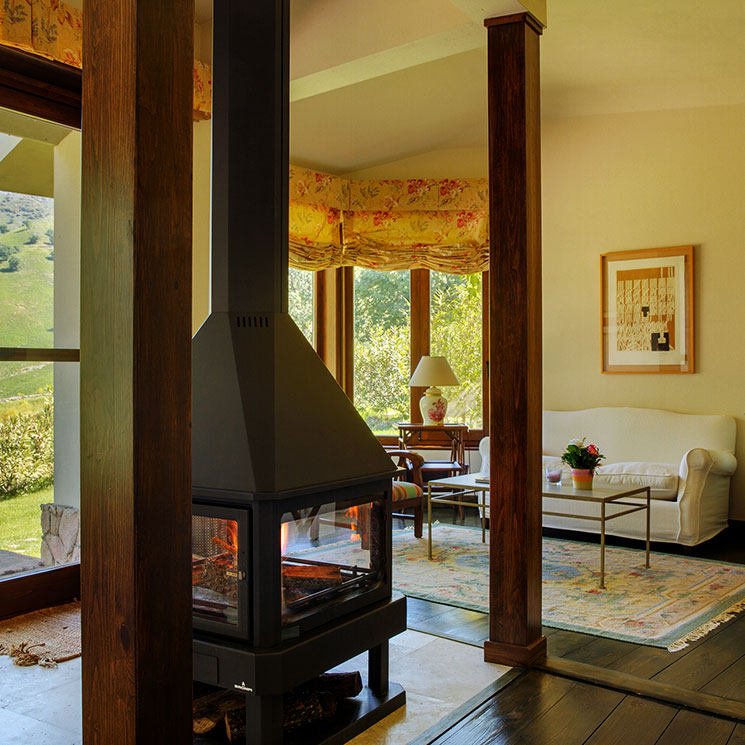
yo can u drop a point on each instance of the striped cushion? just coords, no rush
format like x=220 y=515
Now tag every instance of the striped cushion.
x=406 y=490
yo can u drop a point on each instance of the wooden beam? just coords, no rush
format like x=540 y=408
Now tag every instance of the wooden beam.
x=335 y=324
x=33 y=354
x=515 y=341
x=420 y=318
x=40 y=87
x=40 y=589
x=347 y=329
x=669 y=694
x=135 y=372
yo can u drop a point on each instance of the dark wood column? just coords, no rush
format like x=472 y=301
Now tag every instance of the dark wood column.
x=515 y=341
x=135 y=371
x=420 y=317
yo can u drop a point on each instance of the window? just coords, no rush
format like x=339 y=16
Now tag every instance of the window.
x=382 y=321
x=301 y=301
x=456 y=310
x=439 y=314
x=39 y=340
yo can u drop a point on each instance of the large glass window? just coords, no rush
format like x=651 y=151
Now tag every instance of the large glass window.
x=382 y=347
x=456 y=334
x=39 y=338
x=301 y=301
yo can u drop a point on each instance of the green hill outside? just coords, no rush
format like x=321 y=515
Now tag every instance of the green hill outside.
x=26 y=291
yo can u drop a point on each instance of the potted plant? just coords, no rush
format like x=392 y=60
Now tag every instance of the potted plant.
x=583 y=460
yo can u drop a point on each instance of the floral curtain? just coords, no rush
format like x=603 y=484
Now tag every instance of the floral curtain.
x=453 y=241
x=437 y=224
x=315 y=236
x=53 y=29
x=49 y=28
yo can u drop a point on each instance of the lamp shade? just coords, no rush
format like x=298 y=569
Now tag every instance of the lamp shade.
x=433 y=371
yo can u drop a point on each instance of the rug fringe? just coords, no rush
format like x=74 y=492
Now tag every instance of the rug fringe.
x=706 y=628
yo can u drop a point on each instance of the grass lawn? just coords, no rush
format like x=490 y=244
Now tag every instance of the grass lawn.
x=20 y=521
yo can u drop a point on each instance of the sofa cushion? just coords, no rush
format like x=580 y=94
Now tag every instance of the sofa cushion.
x=661 y=477
x=406 y=490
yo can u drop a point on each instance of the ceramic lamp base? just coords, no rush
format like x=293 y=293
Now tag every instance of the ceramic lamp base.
x=433 y=407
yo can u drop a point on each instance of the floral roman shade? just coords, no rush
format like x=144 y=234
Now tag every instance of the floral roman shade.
x=437 y=224
x=54 y=29
x=48 y=28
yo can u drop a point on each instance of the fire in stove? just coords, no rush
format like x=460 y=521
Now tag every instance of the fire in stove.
x=324 y=556
x=214 y=568
x=327 y=553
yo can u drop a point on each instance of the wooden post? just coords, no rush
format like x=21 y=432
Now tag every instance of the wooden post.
x=135 y=371
x=515 y=341
x=420 y=317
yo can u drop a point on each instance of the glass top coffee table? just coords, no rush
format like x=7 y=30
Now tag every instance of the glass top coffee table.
x=606 y=498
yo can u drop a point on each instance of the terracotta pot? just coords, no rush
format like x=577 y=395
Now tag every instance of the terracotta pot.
x=582 y=478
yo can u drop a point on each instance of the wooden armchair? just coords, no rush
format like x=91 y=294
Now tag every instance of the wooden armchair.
x=408 y=488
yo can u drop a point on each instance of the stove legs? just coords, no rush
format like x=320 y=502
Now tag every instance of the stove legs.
x=264 y=720
x=377 y=669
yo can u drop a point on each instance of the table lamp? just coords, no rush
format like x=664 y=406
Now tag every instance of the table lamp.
x=432 y=372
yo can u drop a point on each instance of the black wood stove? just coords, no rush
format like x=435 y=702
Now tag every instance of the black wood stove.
x=291 y=546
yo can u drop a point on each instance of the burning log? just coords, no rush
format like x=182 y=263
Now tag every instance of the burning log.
x=310 y=577
x=217 y=573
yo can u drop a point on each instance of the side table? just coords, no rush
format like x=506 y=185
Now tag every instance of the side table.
x=419 y=437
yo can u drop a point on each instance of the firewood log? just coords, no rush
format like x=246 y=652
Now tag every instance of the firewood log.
x=310 y=578
x=209 y=710
x=299 y=711
x=342 y=685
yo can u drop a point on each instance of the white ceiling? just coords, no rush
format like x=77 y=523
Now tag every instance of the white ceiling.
x=597 y=57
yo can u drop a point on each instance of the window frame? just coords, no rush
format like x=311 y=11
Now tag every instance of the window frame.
x=333 y=333
x=48 y=90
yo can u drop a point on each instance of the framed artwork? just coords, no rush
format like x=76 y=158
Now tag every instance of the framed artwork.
x=647 y=310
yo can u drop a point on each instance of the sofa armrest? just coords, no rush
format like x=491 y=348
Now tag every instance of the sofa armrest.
x=703 y=497
x=724 y=463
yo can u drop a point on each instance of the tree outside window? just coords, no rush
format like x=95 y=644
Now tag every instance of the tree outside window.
x=382 y=347
x=456 y=334
x=301 y=301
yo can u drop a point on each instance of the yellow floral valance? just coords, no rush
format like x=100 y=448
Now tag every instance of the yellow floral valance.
x=437 y=224
x=54 y=29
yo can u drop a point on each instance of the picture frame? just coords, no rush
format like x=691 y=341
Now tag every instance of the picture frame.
x=647 y=310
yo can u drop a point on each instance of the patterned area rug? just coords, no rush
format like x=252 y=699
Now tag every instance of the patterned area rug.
x=679 y=599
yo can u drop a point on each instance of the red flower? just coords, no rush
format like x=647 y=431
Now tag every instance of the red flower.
x=592 y=450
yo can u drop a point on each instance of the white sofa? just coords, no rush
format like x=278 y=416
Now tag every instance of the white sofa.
x=687 y=459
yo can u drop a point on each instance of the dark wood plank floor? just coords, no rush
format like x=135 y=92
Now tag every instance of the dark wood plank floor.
x=542 y=709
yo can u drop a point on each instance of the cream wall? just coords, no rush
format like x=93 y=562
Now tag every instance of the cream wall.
x=646 y=180
x=67 y=319
x=202 y=178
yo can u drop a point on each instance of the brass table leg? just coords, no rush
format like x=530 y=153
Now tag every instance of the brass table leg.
x=482 y=500
x=429 y=521
x=602 y=546
x=648 y=520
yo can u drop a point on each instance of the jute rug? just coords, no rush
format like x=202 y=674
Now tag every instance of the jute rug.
x=43 y=637
x=679 y=599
